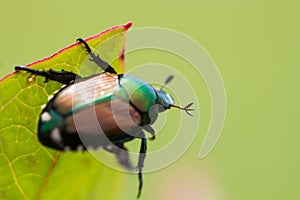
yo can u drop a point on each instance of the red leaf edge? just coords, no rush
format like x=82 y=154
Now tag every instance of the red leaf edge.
x=125 y=27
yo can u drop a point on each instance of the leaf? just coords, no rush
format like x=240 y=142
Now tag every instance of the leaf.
x=29 y=170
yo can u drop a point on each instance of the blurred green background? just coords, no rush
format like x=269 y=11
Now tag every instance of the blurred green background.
x=256 y=47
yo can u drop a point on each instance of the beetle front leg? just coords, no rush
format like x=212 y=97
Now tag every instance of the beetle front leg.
x=63 y=77
x=140 y=165
x=101 y=63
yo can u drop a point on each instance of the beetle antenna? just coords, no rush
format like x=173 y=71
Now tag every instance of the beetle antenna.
x=168 y=79
x=186 y=108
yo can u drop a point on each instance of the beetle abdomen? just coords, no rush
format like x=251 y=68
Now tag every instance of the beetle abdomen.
x=114 y=118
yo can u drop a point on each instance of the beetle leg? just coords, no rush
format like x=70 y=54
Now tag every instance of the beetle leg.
x=123 y=157
x=122 y=154
x=140 y=165
x=101 y=63
x=63 y=77
x=150 y=130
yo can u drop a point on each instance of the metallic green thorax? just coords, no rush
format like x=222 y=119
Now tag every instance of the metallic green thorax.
x=140 y=93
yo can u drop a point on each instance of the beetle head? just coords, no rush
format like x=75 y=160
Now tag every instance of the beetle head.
x=166 y=101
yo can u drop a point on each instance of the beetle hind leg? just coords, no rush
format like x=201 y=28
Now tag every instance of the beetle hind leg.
x=101 y=63
x=121 y=153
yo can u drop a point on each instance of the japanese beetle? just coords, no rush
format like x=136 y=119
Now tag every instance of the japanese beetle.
x=123 y=106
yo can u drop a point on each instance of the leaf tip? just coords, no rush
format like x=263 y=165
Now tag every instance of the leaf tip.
x=128 y=25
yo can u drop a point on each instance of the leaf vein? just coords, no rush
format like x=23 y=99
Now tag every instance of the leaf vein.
x=13 y=173
x=44 y=184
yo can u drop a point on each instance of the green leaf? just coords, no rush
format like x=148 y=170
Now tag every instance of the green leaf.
x=29 y=170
